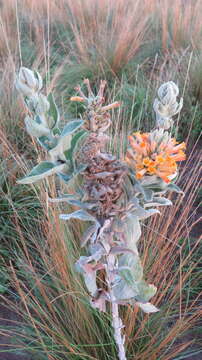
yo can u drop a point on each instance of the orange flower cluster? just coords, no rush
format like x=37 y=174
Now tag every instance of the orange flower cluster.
x=150 y=155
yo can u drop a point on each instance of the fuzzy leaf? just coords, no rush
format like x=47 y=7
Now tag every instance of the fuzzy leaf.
x=80 y=263
x=89 y=273
x=146 y=291
x=122 y=291
x=97 y=251
x=175 y=188
x=133 y=272
x=88 y=234
x=153 y=182
x=62 y=198
x=71 y=127
x=159 y=201
x=72 y=200
x=82 y=205
x=41 y=171
x=48 y=142
x=90 y=280
x=144 y=190
x=80 y=214
x=99 y=302
x=147 y=307
x=118 y=250
x=35 y=129
x=132 y=231
x=65 y=177
x=144 y=214
x=130 y=270
x=148 y=194
x=54 y=116
x=58 y=152
x=75 y=142
x=80 y=169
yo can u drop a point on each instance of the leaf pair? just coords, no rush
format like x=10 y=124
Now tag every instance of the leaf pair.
x=129 y=285
x=57 y=155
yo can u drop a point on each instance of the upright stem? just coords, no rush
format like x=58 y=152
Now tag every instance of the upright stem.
x=117 y=325
x=116 y=320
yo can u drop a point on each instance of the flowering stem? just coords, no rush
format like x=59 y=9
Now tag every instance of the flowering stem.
x=117 y=325
x=116 y=320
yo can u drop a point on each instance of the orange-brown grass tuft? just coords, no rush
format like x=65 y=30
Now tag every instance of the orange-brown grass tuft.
x=108 y=33
x=180 y=22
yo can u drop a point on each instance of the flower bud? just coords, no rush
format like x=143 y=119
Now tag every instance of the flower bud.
x=168 y=92
x=28 y=82
x=167 y=106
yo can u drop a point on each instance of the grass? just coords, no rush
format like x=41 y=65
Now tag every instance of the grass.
x=135 y=46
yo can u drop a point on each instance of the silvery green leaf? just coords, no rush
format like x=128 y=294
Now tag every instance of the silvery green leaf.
x=71 y=127
x=63 y=198
x=80 y=263
x=72 y=200
x=35 y=129
x=147 y=193
x=88 y=234
x=39 y=80
x=77 y=139
x=53 y=113
x=175 y=188
x=56 y=131
x=122 y=291
x=153 y=182
x=41 y=171
x=82 y=205
x=117 y=225
x=75 y=142
x=95 y=234
x=65 y=177
x=118 y=250
x=70 y=175
x=79 y=214
x=144 y=214
x=48 y=142
x=147 y=307
x=133 y=271
x=41 y=104
x=145 y=291
x=99 y=302
x=158 y=201
x=97 y=251
x=138 y=187
x=58 y=152
x=90 y=281
x=80 y=169
x=132 y=230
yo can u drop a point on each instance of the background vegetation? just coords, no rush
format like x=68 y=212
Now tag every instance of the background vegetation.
x=134 y=45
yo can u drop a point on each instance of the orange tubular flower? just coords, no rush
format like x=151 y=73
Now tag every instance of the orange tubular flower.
x=77 y=98
x=154 y=153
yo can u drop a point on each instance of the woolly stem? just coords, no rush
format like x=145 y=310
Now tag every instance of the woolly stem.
x=116 y=320
x=117 y=325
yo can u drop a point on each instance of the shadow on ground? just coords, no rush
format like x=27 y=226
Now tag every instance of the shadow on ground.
x=8 y=319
